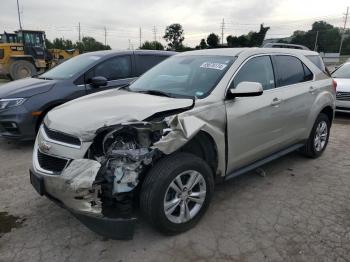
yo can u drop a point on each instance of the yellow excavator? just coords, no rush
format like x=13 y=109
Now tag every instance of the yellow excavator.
x=24 y=54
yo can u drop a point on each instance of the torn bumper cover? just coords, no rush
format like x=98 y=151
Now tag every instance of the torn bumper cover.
x=75 y=190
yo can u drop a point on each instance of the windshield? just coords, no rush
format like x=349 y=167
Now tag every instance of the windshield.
x=342 y=72
x=184 y=76
x=70 y=67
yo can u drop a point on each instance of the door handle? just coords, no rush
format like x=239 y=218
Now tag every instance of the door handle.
x=276 y=101
x=312 y=90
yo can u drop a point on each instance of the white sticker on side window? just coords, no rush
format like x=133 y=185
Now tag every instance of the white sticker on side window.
x=216 y=66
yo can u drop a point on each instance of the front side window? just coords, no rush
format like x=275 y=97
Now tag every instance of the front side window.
x=290 y=70
x=258 y=69
x=71 y=67
x=114 y=68
x=184 y=76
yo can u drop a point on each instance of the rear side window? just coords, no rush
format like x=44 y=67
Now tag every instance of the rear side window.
x=258 y=69
x=317 y=61
x=145 y=62
x=114 y=68
x=2 y=53
x=291 y=70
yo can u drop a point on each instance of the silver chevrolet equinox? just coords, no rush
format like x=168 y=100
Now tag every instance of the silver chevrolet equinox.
x=159 y=145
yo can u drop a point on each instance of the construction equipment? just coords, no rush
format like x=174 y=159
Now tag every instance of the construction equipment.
x=24 y=54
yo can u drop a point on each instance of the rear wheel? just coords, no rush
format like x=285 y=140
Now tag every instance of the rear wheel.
x=176 y=192
x=318 y=140
x=21 y=69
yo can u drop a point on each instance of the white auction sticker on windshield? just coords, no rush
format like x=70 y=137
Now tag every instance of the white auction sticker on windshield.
x=216 y=66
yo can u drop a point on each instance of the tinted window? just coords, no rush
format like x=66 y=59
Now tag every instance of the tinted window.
x=145 y=62
x=114 y=68
x=71 y=67
x=290 y=70
x=308 y=75
x=258 y=69
x=2 y=53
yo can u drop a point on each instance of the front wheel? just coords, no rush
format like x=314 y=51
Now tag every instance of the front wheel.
x=21 y=69
x=318 y=140
x=176 y=192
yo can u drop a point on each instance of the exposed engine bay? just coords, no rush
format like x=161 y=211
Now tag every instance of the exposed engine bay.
x=124 y=152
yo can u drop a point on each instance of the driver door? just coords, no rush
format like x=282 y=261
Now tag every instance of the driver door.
x=254 y=124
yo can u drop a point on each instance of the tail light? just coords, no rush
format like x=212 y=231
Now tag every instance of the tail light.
x=335 y=85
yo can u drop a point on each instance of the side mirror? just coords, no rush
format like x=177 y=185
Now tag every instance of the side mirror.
x=98 y=81
x=245 y=89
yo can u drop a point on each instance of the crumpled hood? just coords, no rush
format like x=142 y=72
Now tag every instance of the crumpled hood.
x=83 y=116
x=343 y=84
x=26 y=87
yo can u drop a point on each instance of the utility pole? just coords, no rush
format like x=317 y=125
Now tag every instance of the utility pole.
x=79 y=32
x=140 y=35
x=155 y=33
x=222 y=31
x=105 y=36
x=343 y=34
x=19 y=16
x=315 y=48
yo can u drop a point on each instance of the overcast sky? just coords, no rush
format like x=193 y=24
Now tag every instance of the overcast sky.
x=123 y=18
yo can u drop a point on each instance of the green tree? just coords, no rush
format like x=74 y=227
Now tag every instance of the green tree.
x=174 y=36
x=232 y=41
x=203 y=44
x=89 y=44
x=154 y=45
x=48 y=43
x=328 y=39
x=213 y=40
x=249 y=40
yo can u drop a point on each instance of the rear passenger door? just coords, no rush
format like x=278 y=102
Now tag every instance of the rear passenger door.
x=296 y=89
x=117 y=70
x=144 y=62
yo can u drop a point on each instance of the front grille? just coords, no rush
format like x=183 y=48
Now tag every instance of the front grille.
x=344 y=96
x=51 y=163
x=62 y=137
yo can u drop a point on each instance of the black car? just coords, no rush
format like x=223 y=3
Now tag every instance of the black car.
x=24 y=103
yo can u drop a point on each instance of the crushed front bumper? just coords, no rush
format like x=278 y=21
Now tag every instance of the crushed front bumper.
x=114 y=228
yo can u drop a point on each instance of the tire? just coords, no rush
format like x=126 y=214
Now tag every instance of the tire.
x=21 y=68
x=315 y=149
x=158 y=189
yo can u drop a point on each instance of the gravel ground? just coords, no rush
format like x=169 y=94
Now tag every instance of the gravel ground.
x=300 y=211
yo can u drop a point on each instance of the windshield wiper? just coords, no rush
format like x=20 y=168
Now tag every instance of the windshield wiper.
x=45 y=78
x=125 y=87
x=156 y=92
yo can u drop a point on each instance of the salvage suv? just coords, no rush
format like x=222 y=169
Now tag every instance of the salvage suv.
x=160 y=144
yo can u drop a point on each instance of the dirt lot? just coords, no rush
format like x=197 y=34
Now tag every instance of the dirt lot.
x=299 y=212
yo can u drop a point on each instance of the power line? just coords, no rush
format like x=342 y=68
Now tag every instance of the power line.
x=19 y=16
x=155 y=33
x=105 y=36
x=222 y=31
x=343 y=33
x=79 y=32
x=140 y=36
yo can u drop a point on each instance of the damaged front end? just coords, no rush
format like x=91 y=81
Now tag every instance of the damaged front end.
x=100 y=189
